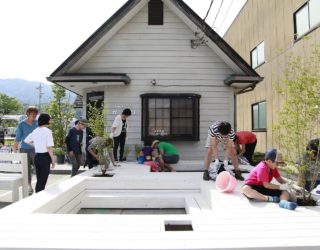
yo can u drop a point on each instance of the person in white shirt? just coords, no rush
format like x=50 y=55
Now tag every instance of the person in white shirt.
x=42 y=140
x=119 y=132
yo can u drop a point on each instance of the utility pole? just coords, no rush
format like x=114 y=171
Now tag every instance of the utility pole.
x=40 y=95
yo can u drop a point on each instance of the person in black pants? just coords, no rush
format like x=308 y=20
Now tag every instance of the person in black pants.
x=119 y=131
x=90 y=160
x=245 y=144
x=74 y=145
x=42 y=140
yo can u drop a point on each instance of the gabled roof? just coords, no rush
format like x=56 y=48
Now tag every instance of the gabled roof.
x=61 y=74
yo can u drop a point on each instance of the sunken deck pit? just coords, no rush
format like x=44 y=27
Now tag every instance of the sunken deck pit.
x=212 y=220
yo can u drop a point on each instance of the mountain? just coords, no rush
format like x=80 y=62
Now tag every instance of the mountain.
x=28 y=91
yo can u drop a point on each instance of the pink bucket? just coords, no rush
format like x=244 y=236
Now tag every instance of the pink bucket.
x=225 y=182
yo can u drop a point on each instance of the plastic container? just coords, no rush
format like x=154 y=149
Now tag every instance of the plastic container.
x=140 y=159
x=225 y=182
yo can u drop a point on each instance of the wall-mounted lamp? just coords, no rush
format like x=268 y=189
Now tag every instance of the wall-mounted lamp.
x=153 y=82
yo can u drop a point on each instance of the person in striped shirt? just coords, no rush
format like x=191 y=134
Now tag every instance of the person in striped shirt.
x=222 y=133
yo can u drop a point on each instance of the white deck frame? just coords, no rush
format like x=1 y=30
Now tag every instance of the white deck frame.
x=219 y=221
x=14 y=174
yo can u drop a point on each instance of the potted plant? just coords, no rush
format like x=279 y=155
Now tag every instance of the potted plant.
x=60 y=154
x=299 y=117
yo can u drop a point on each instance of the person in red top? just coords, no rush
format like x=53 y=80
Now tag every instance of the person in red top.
x=258 y=184
x=245 y=143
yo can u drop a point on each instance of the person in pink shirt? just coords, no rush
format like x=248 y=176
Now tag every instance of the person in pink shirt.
x=245 y=143
x=258 y=186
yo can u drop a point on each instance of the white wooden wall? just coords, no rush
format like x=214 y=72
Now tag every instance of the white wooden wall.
x=163 y=53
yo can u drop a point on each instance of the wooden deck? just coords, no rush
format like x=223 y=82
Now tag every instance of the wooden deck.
x=219 y=221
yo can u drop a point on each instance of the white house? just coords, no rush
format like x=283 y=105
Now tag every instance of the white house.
x=160 y=59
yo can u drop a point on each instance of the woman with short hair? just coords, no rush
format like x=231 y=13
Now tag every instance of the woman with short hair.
x=42 y=140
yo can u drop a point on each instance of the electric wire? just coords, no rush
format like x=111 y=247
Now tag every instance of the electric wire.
x=225 y=16
x=204 y=19
x=217 y=14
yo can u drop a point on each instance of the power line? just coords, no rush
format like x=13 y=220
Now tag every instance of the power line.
x=204 y=19
x=225 y=16
x=217 y=13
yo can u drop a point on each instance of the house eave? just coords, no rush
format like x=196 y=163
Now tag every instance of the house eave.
x=243 y=83
x=91 y=78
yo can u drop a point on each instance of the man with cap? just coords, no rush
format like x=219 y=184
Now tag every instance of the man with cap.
x=74 y=145
x=167 y=154
x=258 y=186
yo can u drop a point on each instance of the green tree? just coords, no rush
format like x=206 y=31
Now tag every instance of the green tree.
x=97 y=120
x=61 y=112
x=10 y=105
x=299 y=116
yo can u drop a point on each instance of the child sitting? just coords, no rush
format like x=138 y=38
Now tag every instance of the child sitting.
x=258 y=184
x=147 y=154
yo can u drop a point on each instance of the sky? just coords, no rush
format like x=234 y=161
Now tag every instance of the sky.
x=38 y=35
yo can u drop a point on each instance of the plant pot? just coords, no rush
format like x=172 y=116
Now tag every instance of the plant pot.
x=103 y=167
x=60 y=159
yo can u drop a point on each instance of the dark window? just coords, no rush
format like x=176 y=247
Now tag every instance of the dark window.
x=155 y=12
x=259 y=116
x=170 y=116
x=257 y=55
x=94 y=99
x=306 y=18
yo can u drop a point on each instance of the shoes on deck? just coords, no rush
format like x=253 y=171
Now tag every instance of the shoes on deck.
x=238 y=176
x=206 y=175
x=124 y=159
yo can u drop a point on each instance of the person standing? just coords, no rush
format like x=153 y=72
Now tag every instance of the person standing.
x=245 y=143
x=119 y=132
x=24 y=128
x=42 y=140
x=222 y=133
x=74 y=145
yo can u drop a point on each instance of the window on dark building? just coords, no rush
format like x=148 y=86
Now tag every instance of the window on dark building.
x=170 y=116
x=306 y=18
x=155 y=12
x=259 y=116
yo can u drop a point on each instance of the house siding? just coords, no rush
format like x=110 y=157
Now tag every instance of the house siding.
x=163 y=53
x=270 y=21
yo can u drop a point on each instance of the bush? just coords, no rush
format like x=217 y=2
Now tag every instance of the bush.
x=58 y=151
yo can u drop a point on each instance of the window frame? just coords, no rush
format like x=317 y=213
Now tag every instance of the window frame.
x=310 y=28
x=195 y=136
x=256 y=50
x=259 y=128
